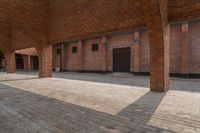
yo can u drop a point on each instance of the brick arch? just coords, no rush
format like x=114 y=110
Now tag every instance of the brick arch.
x=30 y=17
x=39 y=41
x=156 y=16
x=5 y=37
x=44 y=49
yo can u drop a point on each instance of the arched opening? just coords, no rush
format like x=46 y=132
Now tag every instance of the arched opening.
x=34 y=62
x=24 y=36
x=27 y=59
x=19 y=62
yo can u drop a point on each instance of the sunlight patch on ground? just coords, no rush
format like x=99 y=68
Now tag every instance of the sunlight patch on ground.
x=104 y=97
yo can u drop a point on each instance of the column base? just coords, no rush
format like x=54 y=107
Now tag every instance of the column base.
x=10 y=62
x=45 y=61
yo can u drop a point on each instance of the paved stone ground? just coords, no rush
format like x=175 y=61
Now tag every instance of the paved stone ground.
x=92 y=103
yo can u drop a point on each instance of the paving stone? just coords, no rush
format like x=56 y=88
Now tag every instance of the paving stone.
x=88 y=103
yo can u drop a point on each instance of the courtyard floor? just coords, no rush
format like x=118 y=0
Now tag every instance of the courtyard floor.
x=95 y=103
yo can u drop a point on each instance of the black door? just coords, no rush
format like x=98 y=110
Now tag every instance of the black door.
x=121 y=60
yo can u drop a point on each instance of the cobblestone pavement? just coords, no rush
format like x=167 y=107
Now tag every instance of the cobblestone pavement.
x=94 y=103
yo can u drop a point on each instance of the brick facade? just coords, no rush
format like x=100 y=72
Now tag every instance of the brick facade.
x=140 y=58
x=140 y=51
x=39 y=24
x=194 y=47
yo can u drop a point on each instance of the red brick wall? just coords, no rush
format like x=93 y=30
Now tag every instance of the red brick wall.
x=117 y=41
x=20 y=40
x=194 y=47
x=144 y=52
x=72 y=19
x=175 y=48
x=72 y=58
x=92 y=60
x=66 y=19
x=183 y=9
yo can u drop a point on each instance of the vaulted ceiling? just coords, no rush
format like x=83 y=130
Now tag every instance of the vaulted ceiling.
x=28 y=23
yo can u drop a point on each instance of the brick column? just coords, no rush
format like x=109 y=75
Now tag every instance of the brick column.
x=45 y=61
x=103 y=53
x=135 y=53
x=156 y=15
x=185 y=49
x=10 y=62
x=27 y=63
x=80 y=55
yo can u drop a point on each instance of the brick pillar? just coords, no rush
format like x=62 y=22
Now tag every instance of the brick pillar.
x=80 y=55
x=135 y=53
x=156 y=15
x=10 y=62
x=45 y=61
x=185 y=49
x=103 y=53
x=27 y=63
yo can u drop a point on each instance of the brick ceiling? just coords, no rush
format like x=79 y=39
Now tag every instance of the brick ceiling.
x=28 y=23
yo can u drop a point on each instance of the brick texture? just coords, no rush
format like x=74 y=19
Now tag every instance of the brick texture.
x=135 y=52
x=92 y=59
x=73 y=58
x=118 y=41
x=26 y=25
x=158 y=30
x=142 y=49
x=185 y=49
x=144 y=52
x=45 y=61
x=183 y=9
x=27 y=51
x=75 y=19
x=10 y=62
x=175 y=48
x=194 y=47
x=36 y=23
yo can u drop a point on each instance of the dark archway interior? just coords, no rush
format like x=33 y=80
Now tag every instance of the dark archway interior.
x=19 y=62
x=34 y=63
x=1 y=60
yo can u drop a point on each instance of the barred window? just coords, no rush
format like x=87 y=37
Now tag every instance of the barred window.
x=95 y=47
x=74 y=49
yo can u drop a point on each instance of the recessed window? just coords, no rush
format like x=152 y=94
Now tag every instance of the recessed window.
x=74 y=49
x=95 y=47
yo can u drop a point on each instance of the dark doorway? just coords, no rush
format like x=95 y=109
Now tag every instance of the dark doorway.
x=34 y=63
x=19 y=62
x=2 y=58
x=121 y=60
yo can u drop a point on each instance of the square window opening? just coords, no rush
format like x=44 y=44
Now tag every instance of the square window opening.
x=74 y=49
x=95 y=47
